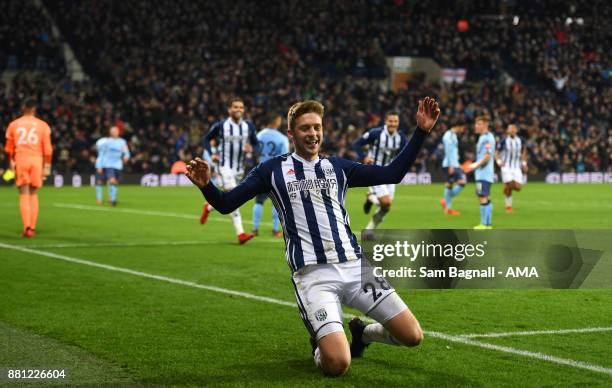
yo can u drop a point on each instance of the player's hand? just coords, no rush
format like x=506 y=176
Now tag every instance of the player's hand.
x=473 y=166
x=451 y=170
x=248 y=148
x=427 y=114
x=12 y=165
x=99 y=170
x=368 y=160
x=215 y=158
x=198 y=172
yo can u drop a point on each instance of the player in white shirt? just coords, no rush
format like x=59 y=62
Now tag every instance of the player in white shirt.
x=322 y=252
x=512 y=159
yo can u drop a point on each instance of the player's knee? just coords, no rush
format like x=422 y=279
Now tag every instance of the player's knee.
x=412 y=336
x=517 y=187
x=112 y=181
x=336 y=364
x=385 y=204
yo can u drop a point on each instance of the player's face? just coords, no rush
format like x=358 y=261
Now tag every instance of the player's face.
x=512 y=130
x=481 y=126
x=392 y=123
x=307 y=135
x=459 y=129
x=114 y=132
x=236 y=110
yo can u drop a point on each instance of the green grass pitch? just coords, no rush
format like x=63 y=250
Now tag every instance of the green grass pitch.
x=162 y=324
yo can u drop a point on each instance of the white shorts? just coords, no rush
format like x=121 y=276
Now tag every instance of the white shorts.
x=383 y=190
x=229 y=177
x=511 y=174
x=322 y=289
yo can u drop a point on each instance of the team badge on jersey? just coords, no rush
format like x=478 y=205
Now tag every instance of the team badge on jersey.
x=321 y=314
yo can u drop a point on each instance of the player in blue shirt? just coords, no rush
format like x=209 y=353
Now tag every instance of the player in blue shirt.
x=309 y=192
x=455 y=178
x=483 y=170
x=272 y=143
x=385 y=142
x=235 y=138
x=112 y=151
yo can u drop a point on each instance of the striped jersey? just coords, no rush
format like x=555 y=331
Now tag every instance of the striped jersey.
x=309 y=197
x=383 y=145
x=111 y=152
x=510 y=151
x=231 y=139
x=451 y=149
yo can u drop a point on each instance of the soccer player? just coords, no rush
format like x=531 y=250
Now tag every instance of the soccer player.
x=483 y=170
x=113 y=151
x=385 y=142
x=272 y=143
x=512 y=159
x=455 y=178
x=28 y=145
x=235 y=137
x=309 y=192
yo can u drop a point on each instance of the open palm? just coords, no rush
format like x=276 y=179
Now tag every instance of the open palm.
x=427 y=114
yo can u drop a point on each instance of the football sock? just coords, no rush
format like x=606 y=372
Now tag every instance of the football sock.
x=489 y=213
x=24 y=207
x=33 y=210
x=376 y=219
x=483 y=213
x=275 y=220
x=376 y=332
x=112 y=193
x=257 y=211
x=448 y=197
x=237 y=221
x=317 y=357
x=456 y=190
x=99 y=193
x=508 y=201
x=210 y=208
x=373 y=198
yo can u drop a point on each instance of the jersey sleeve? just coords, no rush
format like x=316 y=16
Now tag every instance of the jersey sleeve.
x=361 y=175
x=213 y=133
x=125 y=151
x=227 y=202
x=253 y=135
x=367 y=138
x=47 y=148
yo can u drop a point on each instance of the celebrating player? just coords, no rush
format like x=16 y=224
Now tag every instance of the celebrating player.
x=272 y=143
x=235 y=137
x=455 y=178
x=28 y=145
x=309 y=193
x=113 y=151
x=483 y=173
x=385 y=142
x=512 y=160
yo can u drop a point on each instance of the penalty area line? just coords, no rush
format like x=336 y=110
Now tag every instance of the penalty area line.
x=246 y=295
x=537 y=332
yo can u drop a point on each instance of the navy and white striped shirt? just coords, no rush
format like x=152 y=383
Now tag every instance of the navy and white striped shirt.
x=383 y=145
x=231 y=138
x=309 y=197
x=510 y=148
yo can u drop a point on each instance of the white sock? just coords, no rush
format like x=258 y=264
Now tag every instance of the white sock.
x=317 y=357
x=373 y=198
x=508 y=201
x=237 y=221
x=210 y=208
x=375 y=332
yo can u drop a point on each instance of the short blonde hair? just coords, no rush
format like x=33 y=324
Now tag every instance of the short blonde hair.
x=301 y=108
x=484 y=118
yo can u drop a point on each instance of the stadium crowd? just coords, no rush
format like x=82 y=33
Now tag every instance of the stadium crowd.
x=163 y=71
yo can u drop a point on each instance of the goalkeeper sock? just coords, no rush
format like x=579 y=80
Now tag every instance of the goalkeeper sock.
x=237 y=221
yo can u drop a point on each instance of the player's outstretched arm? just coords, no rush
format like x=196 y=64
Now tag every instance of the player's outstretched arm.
x=199 y=173
x=360 y=175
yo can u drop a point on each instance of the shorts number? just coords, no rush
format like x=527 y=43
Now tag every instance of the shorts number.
x=26 y=136
x=376 y=294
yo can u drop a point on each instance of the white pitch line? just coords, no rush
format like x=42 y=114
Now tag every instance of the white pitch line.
x=448 y=337
x=524 y=353
x=537 y=332
x=145 y=212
